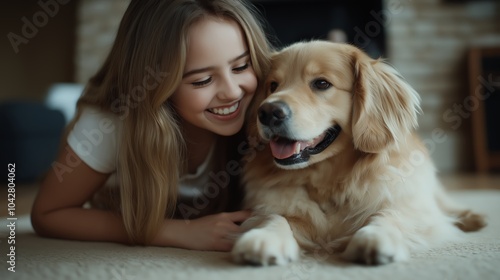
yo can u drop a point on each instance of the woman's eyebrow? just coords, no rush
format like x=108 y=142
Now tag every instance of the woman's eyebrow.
x=239 y=57
x=205 y=69
x=196 y=71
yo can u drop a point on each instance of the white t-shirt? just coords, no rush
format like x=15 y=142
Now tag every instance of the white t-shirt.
x=94 y=139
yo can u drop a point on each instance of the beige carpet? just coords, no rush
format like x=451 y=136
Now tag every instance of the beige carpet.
x=477 y=257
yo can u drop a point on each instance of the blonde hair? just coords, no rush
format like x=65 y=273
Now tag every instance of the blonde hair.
x=151 y=40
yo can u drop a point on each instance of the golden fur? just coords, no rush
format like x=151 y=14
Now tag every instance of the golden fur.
x=372 y=195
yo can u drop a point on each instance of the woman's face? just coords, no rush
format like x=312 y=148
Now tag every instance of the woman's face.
x=218 y=81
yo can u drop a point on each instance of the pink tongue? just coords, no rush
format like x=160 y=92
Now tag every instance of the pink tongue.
x=281 y=149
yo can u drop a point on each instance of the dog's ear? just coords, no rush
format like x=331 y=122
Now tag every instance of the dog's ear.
x=385 y=107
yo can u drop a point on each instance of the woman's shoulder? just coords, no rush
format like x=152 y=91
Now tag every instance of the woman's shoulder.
x=99 y=117
x=94 y=138
x=91 y=117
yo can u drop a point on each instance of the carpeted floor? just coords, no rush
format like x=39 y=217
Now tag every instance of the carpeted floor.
x=477 y=257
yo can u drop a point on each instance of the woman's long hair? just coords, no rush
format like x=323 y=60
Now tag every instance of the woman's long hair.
x=142 y=71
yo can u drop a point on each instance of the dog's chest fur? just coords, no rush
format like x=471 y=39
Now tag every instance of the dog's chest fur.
x=326 y=185
x=323 y=194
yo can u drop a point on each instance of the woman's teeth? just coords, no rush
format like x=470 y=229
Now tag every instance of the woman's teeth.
x=225 y=111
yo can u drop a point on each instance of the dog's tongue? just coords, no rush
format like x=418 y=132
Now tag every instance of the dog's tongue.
x=284 y=148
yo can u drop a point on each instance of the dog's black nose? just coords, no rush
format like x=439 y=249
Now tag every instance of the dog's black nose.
x=273 y=114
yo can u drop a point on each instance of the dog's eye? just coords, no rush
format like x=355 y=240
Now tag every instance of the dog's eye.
x=273 y=86
x=321 y=84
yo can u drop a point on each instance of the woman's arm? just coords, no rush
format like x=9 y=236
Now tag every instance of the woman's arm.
x=216 y=232
x=58 y=212
x=58 y=209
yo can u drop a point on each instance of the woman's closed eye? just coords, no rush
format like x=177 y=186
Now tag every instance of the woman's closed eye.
x=203 y=82
x=241 y=68
x=209 y=79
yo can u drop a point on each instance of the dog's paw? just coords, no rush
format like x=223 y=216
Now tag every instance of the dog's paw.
x=470 y=221
x=264 y=247
x=372 y=247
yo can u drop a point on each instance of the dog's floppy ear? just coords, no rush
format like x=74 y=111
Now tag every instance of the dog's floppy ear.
x=385 y=107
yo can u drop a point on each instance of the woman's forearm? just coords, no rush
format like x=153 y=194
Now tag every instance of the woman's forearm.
x=81 y=224
x=211 y=232
x=100 y=225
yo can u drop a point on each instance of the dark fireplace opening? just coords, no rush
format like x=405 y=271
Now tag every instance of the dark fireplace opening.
x=361 y=23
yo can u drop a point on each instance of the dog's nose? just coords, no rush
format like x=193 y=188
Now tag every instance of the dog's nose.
x=273 y=114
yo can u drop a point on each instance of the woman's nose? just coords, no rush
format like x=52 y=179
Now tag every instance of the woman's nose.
x=230 y=88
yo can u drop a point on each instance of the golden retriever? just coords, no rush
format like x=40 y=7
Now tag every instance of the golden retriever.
x=342 y=169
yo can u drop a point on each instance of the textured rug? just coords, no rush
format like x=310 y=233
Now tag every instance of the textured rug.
x=476 y=257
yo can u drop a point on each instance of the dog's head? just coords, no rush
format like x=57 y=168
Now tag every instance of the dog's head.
x=322 y=97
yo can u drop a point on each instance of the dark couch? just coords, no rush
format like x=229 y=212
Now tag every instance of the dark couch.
x=29 y=138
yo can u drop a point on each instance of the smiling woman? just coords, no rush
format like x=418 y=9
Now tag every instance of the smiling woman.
x=175 y=135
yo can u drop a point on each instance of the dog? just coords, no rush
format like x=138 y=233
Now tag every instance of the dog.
x=341 y=168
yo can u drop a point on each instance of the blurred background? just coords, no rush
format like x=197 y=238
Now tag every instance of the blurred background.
x=447 y=50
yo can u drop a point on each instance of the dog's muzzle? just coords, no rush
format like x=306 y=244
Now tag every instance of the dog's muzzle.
x=286 y=151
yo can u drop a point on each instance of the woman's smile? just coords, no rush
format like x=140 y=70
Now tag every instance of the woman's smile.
x=225 y=112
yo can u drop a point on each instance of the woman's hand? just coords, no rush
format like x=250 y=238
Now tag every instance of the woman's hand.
x=216 y=232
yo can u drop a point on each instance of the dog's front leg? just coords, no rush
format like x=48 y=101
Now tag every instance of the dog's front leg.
x=379 y=242
x=268 y=241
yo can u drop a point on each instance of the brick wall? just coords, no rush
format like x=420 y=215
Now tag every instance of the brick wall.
x=427 y=43
x=98 y=22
